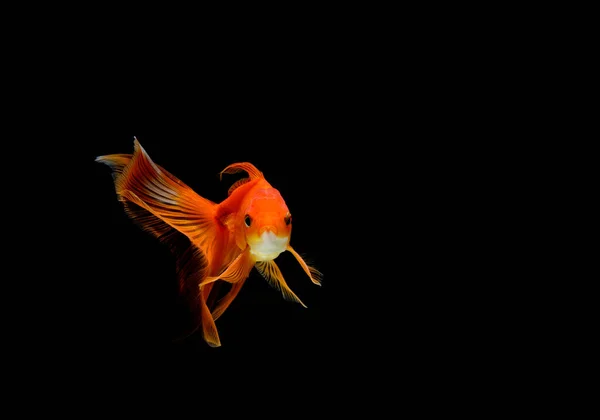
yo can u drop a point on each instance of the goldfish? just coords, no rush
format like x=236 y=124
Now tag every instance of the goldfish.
x=214 y=243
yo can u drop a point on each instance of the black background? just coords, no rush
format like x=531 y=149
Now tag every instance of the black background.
x=380 y=131
x=119 y=305
x=358 y=172
x=353 y=142
x=368 y=230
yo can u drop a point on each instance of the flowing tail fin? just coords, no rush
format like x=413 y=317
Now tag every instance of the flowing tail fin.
x=115 y=162
x=164 y=206
x=140 y=181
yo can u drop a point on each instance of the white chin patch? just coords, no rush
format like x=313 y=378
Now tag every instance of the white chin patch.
x=268 y=247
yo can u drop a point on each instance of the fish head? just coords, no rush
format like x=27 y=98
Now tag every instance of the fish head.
x=268 y=224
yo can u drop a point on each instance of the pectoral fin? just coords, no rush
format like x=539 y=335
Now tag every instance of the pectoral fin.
x=314 y=274
x=226 y=300
x=209 y=329
x=270 y=271
x=238 y=270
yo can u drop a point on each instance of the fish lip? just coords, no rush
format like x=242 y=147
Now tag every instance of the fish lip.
x=268 y=246
x=262 y=256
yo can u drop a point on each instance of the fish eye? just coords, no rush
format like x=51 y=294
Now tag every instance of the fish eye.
x=287 y=219
x=248 y=220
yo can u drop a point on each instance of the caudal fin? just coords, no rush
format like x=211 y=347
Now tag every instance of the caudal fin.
x=163 y=205
x=140 y=181
x=115 y=162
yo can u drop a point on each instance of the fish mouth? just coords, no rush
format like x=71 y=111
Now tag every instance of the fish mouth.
x=267 y=246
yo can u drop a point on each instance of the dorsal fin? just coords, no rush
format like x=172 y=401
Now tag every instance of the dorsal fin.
x=237 y=184
x=242 y=166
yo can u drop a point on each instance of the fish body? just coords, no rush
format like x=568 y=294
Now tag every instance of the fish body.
x=214 y=243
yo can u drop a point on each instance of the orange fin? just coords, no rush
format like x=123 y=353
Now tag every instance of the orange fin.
x=253 y=173
x=191 y=269
x=315 y=275
x=236 y=271
x=115 y=162
x=237 y=184
x=270 y=271
x=226 y=300
x=164 y=206
x=152 y=188
x=209 y=329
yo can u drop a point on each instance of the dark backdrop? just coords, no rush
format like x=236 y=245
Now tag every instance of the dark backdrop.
x=370 y=138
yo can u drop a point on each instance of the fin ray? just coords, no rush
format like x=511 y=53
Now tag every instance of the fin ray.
x=315 y=275
x=236 y=184
x=226 y=300
x=270 y=271
x=139 y=180
x=237 y=270
x=249 y=168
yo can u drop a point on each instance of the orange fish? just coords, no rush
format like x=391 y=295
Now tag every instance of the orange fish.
x=215 y=244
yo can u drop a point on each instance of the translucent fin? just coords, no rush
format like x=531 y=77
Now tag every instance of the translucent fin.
x=115 y=162
x=315 y=275
x=191 y=269
x=270 y=271
x=237 y=270
x=226 y=300
x=209 y=329
x=140 y=181
x=165 y=207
